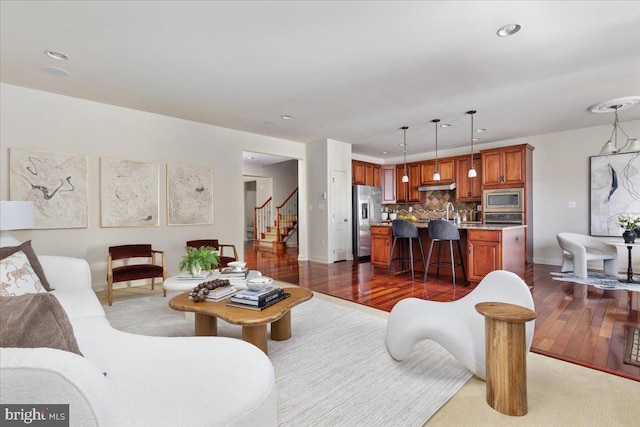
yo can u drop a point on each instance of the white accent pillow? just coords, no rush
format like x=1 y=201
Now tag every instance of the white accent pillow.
x=17 y=277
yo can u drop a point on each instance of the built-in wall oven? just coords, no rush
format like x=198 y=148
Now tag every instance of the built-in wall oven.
x=503 y=206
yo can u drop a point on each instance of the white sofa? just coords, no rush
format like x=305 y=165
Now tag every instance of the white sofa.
x=127 y=379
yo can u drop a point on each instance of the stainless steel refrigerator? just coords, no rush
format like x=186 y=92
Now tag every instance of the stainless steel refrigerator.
x=367 y=208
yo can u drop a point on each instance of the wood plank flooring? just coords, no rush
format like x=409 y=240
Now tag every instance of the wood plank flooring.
x=576 y=323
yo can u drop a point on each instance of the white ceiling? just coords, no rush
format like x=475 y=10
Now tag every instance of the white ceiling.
x=351 y=71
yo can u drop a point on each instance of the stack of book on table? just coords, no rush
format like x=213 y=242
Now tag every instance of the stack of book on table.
x=223 y=292
x=202 y=276
x=258 y=300
x=236 y=277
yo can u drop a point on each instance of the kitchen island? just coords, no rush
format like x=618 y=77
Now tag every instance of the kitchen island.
x=485 y=247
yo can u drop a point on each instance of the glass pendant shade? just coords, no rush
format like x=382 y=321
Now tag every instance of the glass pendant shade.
x=405 y=178
x=436 y=176
x=472 y=172
x=634 y=145
x=608 y=148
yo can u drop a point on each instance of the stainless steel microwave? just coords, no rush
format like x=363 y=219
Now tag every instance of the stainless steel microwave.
x=503 y=200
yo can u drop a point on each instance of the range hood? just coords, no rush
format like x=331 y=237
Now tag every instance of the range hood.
x=435 y=187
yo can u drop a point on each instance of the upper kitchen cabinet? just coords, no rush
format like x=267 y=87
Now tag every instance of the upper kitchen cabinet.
x=364 y=173
x=506 y=167
x=408 y=191
x=446 y=168
x=388 y=177
x=468 y=189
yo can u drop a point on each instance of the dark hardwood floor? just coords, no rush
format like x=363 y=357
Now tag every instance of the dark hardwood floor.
x=576 y=323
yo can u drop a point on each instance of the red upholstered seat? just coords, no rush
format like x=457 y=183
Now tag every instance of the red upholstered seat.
x=136 y=271
x=224 y=260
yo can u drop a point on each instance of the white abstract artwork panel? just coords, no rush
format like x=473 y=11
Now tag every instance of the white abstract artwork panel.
x=615 y=189
x=55 y=182
x=189 y=195
x=129 y=193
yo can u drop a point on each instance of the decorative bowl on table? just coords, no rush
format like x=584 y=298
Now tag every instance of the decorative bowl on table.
x=237 y=265
x=259 y=283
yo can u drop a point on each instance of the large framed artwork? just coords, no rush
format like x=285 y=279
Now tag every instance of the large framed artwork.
x=189 y=195
x=128 y=193
x=55 y=182
x=615 y=189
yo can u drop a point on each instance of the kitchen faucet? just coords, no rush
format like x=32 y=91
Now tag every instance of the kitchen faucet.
x=449 y=205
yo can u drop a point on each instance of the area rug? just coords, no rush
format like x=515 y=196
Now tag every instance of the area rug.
x=335 y=369
x=632 y=353
x=598 y=280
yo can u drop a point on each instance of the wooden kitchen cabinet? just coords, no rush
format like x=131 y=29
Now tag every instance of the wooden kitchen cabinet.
x=388 y=177
x=468 y=189
x=357 y=173
x=490 y=250
x=428 y=168
x=364 y=173
x=506 y=167
x=381 y=241
x=408 y=191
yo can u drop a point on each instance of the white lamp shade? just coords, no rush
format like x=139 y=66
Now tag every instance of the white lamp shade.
x=608 y=148
x=16 y=215
x=634 y=145
x=405 y=178
x=472 y=172
x=436 y=176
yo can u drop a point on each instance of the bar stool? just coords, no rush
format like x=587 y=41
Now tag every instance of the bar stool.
x=441 y=230
x=403 y=229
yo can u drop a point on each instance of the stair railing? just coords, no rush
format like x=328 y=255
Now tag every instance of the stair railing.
x=262 y=218
x=286 y=214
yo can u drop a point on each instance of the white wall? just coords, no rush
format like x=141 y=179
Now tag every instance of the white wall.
x=315 y=207
x=45 y=121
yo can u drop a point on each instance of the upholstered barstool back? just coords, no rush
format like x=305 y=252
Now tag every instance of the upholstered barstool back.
x=213 y=243
x=403 y=229
x=127 y=272
x=441 y=230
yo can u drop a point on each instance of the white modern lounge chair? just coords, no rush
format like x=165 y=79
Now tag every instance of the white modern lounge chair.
x=577 y=249
x=456 y=326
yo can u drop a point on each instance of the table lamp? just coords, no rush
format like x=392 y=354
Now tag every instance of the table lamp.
x=14 y=215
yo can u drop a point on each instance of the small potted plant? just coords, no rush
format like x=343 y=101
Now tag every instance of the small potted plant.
x=198 y=260
x=631 y=225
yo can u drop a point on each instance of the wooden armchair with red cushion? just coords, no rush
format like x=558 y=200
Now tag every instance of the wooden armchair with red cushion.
x=224 y=260
x=126 y=272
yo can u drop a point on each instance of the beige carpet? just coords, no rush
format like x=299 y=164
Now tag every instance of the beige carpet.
x=559 y=393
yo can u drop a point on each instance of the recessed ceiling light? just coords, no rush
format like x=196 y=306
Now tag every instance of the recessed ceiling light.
x=620 y=103
x=508 y=30
x=476 y=139
x=285 y=117
x=402 y=144
x=445 y=125
x=56 y=55
x=481 y=130
x=58 y=72
x=385 y=152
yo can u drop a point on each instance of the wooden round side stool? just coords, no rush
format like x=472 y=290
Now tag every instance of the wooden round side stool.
x=506 y=356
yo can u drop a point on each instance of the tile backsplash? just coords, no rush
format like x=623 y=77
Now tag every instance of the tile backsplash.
x=434 y=201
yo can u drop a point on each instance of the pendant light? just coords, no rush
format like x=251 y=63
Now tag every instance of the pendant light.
x=405 y=177
x=472 y=170
x=436 y=174
x=611 y=147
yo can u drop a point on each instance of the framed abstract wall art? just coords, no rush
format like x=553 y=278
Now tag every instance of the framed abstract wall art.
x=129 y=193
x=615 y=189
x=55 y=182
x=189 y=195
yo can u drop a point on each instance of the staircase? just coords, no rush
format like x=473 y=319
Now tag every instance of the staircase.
x=273 y=233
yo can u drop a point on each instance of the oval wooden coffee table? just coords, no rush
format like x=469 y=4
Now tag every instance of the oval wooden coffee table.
x=254 y=323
